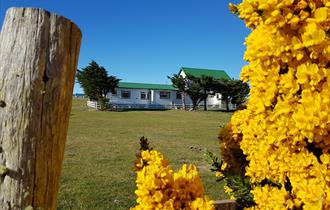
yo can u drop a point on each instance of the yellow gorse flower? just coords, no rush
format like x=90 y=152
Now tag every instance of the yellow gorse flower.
x=158 y=187
x=285 y=130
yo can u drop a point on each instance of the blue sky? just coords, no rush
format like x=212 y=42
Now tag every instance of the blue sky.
x=147 y=40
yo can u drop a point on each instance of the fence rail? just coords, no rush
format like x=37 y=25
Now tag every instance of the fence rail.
x=95 y=105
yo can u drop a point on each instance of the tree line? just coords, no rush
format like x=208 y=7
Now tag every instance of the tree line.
x=199 y=88
x=96 y=83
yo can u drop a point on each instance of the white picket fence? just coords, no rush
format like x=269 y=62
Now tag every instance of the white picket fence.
x=95 y=105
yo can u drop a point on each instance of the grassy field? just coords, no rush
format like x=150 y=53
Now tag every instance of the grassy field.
x=98 y=165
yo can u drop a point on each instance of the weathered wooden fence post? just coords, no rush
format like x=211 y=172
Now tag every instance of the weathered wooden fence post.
x=38 y=60
x=225 y=205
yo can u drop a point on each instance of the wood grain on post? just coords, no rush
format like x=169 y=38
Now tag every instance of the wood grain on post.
x=38 y=60
x=225 y=205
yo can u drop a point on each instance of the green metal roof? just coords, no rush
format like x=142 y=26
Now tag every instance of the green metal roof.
x=131 y=85
x=218 y=74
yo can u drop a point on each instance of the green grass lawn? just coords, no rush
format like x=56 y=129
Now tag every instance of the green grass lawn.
x=98 y=167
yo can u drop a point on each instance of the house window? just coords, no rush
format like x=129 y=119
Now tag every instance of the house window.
x=178 y=95
x=126 y=94
x=164 y=95
x=145 y=95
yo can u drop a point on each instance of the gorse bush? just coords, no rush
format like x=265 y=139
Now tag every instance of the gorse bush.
x=284 y=131
x=158 y=187
x=236 y=186
x=231 y=169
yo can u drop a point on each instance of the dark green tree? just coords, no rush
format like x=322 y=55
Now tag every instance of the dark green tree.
x=223 y=87
x=96 y=83
x=198 y=88
x=208 y=85
x=232 y=90
x=194 y=90
x=179 y=82
x=240 y=92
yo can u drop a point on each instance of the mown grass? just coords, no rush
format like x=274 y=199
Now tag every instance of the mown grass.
x=98 y=171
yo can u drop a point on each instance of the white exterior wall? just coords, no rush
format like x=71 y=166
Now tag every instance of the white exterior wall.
x=158 y=100
x=214 y=100
x=179 y=101
x=211 y=101
x=155 y=99
x=136 y=97
x=183 y=74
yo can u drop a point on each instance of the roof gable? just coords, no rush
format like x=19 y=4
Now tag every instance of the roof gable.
x=133 y=85
x=196 y=72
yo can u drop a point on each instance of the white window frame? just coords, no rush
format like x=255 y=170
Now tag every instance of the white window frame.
x=168 y=93
x=123 y=92
x=147 y=95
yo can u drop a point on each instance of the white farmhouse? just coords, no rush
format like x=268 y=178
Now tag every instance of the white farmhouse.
x=142 y=95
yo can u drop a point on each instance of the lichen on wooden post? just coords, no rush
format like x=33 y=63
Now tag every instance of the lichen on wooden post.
x=38 y=60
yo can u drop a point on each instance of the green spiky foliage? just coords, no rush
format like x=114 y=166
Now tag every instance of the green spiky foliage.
x=240 y=185
x=144 y=144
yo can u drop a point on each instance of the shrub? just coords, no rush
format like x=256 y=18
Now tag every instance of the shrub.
x=284 y=131
x=231 y=169
x=158 y=187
